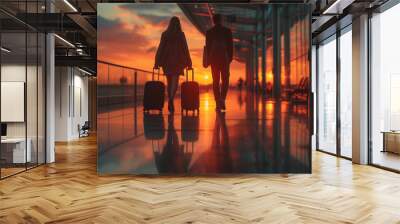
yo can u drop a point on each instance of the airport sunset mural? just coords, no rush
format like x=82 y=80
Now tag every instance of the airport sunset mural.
x=251 y=116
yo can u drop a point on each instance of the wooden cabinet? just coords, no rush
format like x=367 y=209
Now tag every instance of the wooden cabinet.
x=391 y=141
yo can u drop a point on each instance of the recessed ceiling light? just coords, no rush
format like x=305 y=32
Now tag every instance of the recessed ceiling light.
x=337 y=7
x=5 y=50
x=85 y=72
x=65 y=41
x=70 y=5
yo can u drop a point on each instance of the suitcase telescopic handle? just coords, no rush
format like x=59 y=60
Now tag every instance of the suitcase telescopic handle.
x=187 y=74
x=158 y=74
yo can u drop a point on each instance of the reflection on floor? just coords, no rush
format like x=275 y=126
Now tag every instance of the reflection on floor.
x=254 y=136
x=386 y=159
x=8 y=171
x=11 y=169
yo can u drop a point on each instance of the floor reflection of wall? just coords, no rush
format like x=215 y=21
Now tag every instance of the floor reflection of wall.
x=387 y=159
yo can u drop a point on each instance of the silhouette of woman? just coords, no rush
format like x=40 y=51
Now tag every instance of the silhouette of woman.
x=173 y=159
x=173 y=56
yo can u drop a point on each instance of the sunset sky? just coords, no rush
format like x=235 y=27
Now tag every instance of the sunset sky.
x=128 y=34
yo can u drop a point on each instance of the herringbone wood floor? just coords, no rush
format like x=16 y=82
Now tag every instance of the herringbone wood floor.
x=70 y=191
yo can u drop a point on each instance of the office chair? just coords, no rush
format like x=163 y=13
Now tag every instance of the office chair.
x=84 y=130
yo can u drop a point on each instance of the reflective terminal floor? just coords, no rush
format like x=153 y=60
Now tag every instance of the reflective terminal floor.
x=253 y=136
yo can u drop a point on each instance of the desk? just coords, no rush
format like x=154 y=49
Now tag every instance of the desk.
x=15 y=148
x=391 y=141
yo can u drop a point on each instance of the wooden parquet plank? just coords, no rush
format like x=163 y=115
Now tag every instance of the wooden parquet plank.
x=70 y=191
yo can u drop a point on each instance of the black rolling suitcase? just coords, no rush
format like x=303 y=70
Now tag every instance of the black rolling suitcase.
x=154 y=93
x=190 y=100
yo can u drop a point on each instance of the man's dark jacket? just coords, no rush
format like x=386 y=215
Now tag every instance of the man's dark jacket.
x=219 y=37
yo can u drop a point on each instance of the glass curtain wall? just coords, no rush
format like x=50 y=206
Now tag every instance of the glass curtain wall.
x=346 y=92
x=334 y=94
x=22 y=89
x=327 y=96
x=385 y=89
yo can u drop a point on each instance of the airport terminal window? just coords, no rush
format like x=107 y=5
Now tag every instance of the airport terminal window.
x=327 y=96
x=346 y=92
x=385 y=89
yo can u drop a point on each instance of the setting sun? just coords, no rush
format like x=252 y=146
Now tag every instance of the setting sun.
x=206 y=78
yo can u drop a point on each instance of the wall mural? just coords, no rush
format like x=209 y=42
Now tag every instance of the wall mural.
x=205 y=88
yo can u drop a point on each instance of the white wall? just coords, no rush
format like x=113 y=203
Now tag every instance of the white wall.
x=71 y=93
x=80 y=112
x=16 y=73
x=62 y=81
x=13 y=73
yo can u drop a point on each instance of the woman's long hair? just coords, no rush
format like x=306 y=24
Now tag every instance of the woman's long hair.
x=174 y=26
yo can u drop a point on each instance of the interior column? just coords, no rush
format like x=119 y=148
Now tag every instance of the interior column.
x=360 y=90
x=50 y=92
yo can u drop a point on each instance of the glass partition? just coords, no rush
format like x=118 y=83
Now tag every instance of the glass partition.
x=13 y=115
x=22 y=91
x=41 y=97
x=385 y=88
x=327 y=96
x=31 y=97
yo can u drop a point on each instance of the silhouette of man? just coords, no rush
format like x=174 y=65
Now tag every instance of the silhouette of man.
x=219 y=49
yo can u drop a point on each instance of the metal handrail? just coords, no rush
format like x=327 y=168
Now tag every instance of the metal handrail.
x=181 y=77
x=126 y=67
